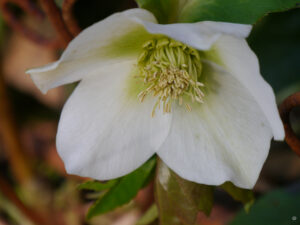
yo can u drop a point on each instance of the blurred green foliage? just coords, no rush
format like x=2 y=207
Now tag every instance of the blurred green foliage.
x=59 y=3
x=244 y=196
x=276 y=41
x=275 y=208
x=235 y=11
x=165 y=11
x=97 y=185
x=149 y=217
x=124 y=190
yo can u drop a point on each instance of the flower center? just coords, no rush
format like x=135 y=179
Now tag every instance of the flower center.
x=170 y=71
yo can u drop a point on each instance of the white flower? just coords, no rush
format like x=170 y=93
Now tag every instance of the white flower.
x=213 y=115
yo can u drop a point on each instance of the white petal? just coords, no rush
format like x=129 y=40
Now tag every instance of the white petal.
x=239 y=60
x=199 y=35
x=104 y=132
x=119 y=37
x=227 y=138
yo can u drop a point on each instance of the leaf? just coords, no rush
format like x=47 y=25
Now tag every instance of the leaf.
x=97 y=186
x=239 y=194
x=149 y=217
x=179 y=200
x=276 y=208
x=125 y=190
x=275 y=40
x=235 y=11
x=165 y=11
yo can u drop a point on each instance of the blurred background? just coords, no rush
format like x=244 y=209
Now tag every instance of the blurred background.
x=34 y=186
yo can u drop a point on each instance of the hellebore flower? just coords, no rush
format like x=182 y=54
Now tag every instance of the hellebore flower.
x=191 y=93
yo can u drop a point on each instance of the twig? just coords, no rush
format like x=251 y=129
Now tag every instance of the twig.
x=12 y=144
x=61 y=21
x=16 y=24
x=56 y=20
x=285 y=109
x=67 y=12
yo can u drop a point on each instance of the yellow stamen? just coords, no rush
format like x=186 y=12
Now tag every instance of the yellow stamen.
x=170 y=71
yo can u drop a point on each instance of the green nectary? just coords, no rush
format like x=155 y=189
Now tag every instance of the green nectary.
x=171 y=71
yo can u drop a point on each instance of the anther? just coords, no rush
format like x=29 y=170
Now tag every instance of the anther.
x=170 y=70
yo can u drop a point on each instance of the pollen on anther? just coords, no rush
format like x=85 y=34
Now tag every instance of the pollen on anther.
x=170 y=72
